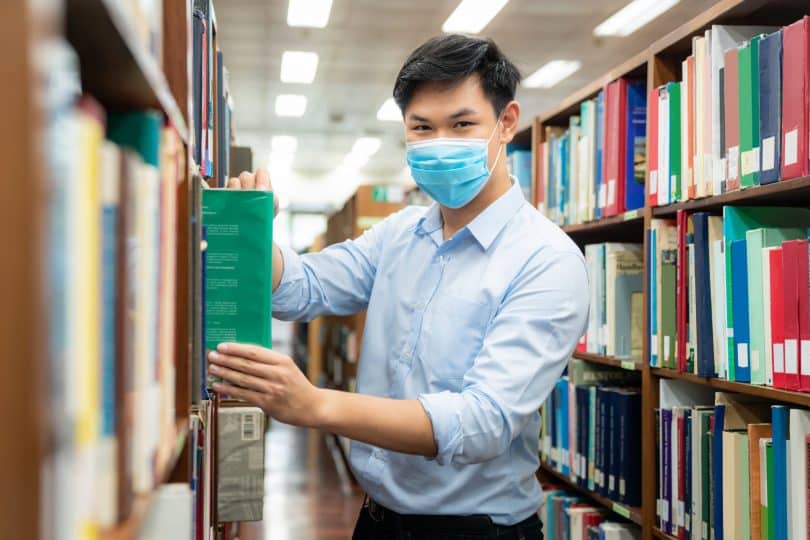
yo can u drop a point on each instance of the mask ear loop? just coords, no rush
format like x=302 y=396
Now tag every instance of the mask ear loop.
x=500 y=147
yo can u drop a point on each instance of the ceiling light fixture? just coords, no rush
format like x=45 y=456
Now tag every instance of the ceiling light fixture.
x=310 y=13
x=292 y=105
x=551 y=73
x=355 y=161
x=632 y=17
x=366 y=146
x=471 y=16
x=298 y=67
x=389 y=112
x=283 y=144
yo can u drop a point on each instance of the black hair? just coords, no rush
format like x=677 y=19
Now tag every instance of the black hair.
x=452 y=58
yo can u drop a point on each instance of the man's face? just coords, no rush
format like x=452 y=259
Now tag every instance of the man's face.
x=461 y=110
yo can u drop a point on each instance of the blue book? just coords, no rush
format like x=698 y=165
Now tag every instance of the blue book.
x=521 y=166
x=636 y=153
x=717 y=470
x=109 y=287
x=198 y=25
x=705 y=340
x=564 y=180
x=666 y=474
x=770 y=107
x=739 y=292
x=600 y=147
x=599 y=450
x=583 y=411
x=628 y=432
x=613 y=445
x=779 y=419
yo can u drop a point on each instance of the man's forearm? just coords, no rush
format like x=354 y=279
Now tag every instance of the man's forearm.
x=278 y=266
x=393 y=424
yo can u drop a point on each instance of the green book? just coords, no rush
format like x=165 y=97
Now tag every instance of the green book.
x=238 y=270
x=705 y=468
x=668 y=322
x=755 y=241
x=748 y=106
x=768 y=485
x=737 y=221
x=674 y=90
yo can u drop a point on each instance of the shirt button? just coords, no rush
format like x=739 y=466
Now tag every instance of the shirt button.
x=406 y=354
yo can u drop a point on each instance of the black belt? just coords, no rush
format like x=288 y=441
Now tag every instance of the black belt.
x=439 y=523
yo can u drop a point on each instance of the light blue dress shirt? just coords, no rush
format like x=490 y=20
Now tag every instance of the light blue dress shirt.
x=477 y=328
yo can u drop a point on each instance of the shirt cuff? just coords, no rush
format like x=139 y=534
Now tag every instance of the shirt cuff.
x=287 y=295
x=444 y=411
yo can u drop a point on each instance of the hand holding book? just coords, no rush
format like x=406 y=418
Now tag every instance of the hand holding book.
x=253 y=180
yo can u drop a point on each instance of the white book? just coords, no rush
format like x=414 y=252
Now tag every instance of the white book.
x=663 y=147
x=691 y=342
x=717 y=264
x=591 y=257
x=686 y=173
x=699 y=51
x=169 y=514
x=766 y=308
x=706 y=147
x=797 y=461
x=619 y=531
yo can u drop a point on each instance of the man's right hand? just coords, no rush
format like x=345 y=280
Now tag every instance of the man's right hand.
x=258 y=180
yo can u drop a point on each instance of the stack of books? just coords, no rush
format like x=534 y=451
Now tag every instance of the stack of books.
x=730 y=465
x=519 y=164
x=737 y=119
x=591 y=428
x=567 y=515
x=595 y=168
x=729 y=295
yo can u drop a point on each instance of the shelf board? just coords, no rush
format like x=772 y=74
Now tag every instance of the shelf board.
x=116 y=68
x=632 y=513
x=788 y=192
x=128 y=529
x=608 y=361
x=626 y=224
x=658 y=533
x=767 y=392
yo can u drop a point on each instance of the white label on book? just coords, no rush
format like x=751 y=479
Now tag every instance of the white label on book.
x=654 y=343
x=705 y=531
x=729 y=332
x=742 y=355
x=746 y=162
x=583 y=467
x=792 y=147
x=602 y=195
x=666 y=348
x=665 y=509
x=622 y=486
x=611 y=191
x=723 y=170
x=708 y=167
x=768 y=153
x=681 y=513
x=733 y=162
x=250 y=431
x=755 y=363
x=688 y=521
x=658 y=507
x=755 y=159
x=805 y=363
x=778 y=358
x=791 y=356
x=653 y=182
x=673 y=183
x=611 y=482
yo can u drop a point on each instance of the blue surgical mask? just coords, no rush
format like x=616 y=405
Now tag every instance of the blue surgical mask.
x=452 y=171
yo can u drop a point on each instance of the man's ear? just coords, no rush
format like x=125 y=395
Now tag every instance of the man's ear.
x=509 y=121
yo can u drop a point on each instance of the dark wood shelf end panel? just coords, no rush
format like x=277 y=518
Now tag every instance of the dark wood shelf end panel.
x=631 y=365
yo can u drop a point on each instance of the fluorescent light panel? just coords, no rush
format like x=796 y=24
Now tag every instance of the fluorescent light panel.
x=552 y=73
x=366 y=146
x=298 y=67
x=632 y=17
x=355 y=161
x=292 y=105
x=389 y=112
x=284 y=144
x=471 y=16
x=311 y=13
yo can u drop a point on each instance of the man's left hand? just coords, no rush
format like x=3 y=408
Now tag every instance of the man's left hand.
x=268 y=380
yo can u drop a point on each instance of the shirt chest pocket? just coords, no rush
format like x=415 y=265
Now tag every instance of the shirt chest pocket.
x=452 y=336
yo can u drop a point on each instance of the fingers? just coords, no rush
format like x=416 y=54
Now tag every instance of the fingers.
x=233 y=183
x=251 y=352
x=241 y=364
x=243 y=380
x=263 y=180
x=239 y=393
x=248 y=180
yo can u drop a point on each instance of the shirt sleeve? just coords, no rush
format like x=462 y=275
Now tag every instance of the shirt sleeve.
x=335 y=281
x=531 y=337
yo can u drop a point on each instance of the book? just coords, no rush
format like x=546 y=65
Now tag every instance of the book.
x=799 y=428
x=794 y=300
x=635 y=145
x=756 y=434
x=779 y=422
x=770 y=106
x=748 y=60
x=732 y=117
x=795 y=98
x=238 y=288
x=739 y=292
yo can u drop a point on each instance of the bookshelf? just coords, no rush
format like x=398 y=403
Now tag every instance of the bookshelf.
x=657 y=64
x=632 y=365
x=632 y=513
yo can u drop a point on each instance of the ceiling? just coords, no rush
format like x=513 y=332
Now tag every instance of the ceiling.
x=361 y=51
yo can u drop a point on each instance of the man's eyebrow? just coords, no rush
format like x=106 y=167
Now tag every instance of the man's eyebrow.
x=417 y=118
x=463 y=112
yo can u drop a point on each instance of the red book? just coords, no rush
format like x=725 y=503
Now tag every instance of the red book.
x=582 y=344
x=591 y=519
x=792 y=252
x=652 y=148
x=681 y=291
x=731 y=107
x=615 y=165
x=804 y=316
x=690 y=137
x=795 y=98
x=777 y=319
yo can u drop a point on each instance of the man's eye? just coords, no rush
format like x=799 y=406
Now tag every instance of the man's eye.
x=463 y=124
x=421 y=127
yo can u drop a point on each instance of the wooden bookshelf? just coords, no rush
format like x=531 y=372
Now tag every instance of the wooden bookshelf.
x=658 y=533
x=116 y=68
x=659 y=63
x=632 y=365
x=766 y=392
x=632 y=513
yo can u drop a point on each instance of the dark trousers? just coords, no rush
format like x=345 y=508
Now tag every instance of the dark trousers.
x=391 y=526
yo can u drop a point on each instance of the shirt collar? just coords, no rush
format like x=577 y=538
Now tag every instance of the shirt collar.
x=487 y=225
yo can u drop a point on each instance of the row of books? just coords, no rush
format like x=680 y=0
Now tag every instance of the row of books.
x=110 y=283
x=729 y=295
x=616 y=312
x=596 y=167
x=739 y=116
x=730 y=465
x=212 y=105
x=519 y=165
x=590 y=430
x=567 y=516
x=145 y=17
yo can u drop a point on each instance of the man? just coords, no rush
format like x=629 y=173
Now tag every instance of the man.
x=474 y=306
